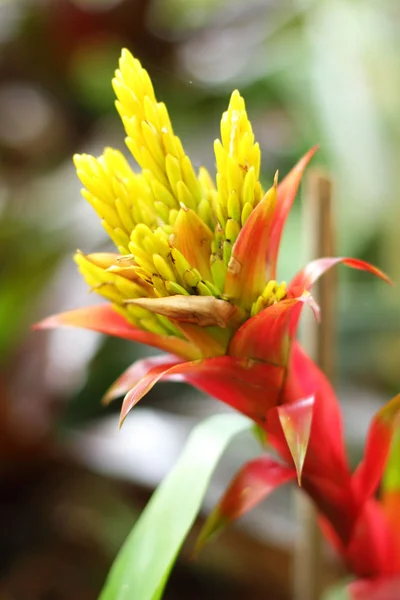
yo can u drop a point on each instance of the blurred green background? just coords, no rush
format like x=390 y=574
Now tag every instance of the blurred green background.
x=311 y=71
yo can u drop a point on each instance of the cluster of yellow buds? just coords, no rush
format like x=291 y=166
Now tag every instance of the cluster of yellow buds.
x=174 y=229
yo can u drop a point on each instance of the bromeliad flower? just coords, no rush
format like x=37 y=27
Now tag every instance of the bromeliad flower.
x=195 y=271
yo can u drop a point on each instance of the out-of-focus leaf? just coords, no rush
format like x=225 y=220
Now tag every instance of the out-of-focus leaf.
x=28 y=257
x=142 y=567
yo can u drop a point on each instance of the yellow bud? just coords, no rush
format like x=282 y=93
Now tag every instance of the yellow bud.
x=152 y=325
x=248 y=187
x=118 y=236
x=218 y=270
x=181 y=265
x=174 y=173
x=163 y=194
x=153 y=143
x=191 y=278
x=124 y=215
x=173 y=213
x=246 y=212
x=232 y=230
x=190 y=178
x=184 y=195
x=203 y=289
x=163 y=267
x=281 y=292
x=151 y=112
x=159 y=285
x=234 y=175
x=269 y=289
x=174 y=288
x=227 y=251
x=148 y=162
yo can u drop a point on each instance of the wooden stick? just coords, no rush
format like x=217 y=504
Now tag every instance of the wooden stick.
x=318 y=341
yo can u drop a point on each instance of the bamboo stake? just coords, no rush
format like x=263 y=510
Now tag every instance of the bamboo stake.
x=318 y=341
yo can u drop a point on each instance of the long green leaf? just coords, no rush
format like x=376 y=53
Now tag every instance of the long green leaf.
x=141 y=568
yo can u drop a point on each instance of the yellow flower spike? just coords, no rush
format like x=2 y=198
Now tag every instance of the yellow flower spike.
x=236 y=155
x=150 y=136
x=120 y=197
x=191 y=249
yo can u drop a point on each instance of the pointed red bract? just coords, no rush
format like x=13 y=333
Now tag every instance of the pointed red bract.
x=192 y=237
x=306 y=278
x=295 y=420
x=268 y=335
x=246 y=276
x=369 y=472
x=252 y=484
x=134 y=373
x=251 y=388
x=104 y=319
x=287 y=191
x=305 y=379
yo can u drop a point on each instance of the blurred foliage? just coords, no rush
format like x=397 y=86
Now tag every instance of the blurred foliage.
x=28 y=258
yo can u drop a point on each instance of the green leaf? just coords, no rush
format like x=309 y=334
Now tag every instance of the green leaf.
x=142 y=567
